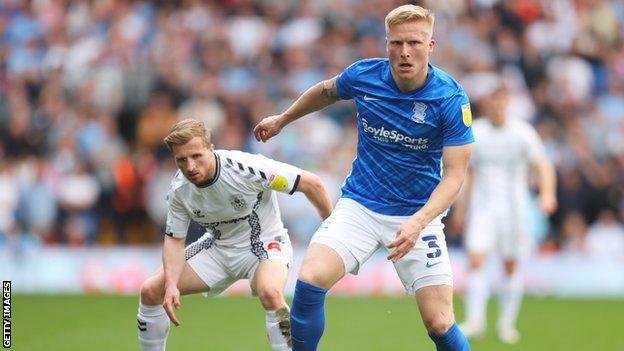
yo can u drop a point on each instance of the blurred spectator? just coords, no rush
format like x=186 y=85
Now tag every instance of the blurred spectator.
x=88 y=90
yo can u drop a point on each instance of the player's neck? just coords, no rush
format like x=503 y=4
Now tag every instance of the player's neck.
x=498 y=121
x=412 y=84
x=211 y=173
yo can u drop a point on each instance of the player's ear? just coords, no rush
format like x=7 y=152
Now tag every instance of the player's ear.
x=211 y=147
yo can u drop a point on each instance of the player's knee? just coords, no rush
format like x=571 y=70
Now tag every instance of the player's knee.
x=315 y=278
x=271 y=297
x=438 y=325
x=151 y=293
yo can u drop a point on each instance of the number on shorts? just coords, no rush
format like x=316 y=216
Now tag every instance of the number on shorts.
x=431 y=240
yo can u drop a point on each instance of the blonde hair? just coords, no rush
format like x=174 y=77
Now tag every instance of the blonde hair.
x=183 y=131
x=408 y=13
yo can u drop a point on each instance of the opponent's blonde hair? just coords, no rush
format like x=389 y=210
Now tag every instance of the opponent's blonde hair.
x=185 y=130
x=408 y=13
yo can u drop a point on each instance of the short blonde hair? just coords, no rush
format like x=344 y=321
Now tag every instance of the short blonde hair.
x=408 y=13
x=185 y=130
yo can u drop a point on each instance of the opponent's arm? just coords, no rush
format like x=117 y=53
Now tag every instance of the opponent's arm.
x=547 y=181
x=455 y=160
x=315 y=98
x=314 y=189
x=173 y=264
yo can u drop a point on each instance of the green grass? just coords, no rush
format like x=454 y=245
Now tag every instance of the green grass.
x=44 y=323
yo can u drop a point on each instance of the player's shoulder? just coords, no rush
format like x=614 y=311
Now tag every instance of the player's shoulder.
x=178 y=181
x=238 y=159
x=244 y=166
x=445 y=85
x=520 y=126
x=367 y=65
x=481 y=123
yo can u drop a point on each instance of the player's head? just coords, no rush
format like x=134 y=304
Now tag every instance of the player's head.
x=189 y=141
x=496 y=104
x=409 y=31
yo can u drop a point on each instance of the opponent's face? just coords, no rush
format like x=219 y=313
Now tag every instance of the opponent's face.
x=409 y=45
x=195 y=160
x=497 y=107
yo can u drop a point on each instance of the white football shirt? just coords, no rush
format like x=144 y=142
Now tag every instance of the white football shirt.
x=500 y=162
x=238 y=205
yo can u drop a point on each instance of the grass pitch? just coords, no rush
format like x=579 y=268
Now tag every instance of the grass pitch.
x=99 y=323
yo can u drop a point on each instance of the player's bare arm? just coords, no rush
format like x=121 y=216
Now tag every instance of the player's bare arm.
x=173 y=264
x=316 y=98
x=313 y=188
x=455 y=160
x=547 y=179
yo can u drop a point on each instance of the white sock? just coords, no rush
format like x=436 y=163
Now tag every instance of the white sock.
x=476 y=297
x=153 y=325
x=278 y=329
x=510 y=300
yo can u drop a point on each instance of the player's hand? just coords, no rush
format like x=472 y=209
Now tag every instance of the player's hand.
x=406 y=238
x=268 y=128
x=547 y=204
x=172 y=299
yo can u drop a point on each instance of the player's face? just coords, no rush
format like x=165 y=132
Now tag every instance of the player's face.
x=409 y=45
x=497 y=106
x=195 y=160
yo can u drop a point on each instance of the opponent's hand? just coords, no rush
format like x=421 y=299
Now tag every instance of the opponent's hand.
x=406 y=238
x=172 y=299
x=268 y=128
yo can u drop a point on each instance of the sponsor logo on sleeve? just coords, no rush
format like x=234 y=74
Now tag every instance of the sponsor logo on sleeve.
x=466 y=114
x=278 y=182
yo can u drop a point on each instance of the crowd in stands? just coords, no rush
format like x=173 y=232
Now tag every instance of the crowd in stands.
x=88 y=90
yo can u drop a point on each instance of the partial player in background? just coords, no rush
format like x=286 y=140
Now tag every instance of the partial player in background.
x=497 y=194
x=231 y=194
x=411 y=117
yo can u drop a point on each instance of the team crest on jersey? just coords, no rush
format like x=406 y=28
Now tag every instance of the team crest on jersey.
x=419 y=112
x=238 y=202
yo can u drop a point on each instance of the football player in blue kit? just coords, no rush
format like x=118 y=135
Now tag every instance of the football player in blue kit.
x=413 y=120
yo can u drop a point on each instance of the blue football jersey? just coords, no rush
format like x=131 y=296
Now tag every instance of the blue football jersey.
x=401 y=135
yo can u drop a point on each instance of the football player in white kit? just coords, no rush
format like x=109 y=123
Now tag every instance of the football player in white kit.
x=498 y=191
x=230 y=193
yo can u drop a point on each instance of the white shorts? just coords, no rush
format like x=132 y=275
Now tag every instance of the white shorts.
x=497 y=231
x=355 y=233
x=221 y=266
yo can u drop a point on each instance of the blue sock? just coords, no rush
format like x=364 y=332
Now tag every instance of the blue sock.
x=452 y=340
x=307 y=316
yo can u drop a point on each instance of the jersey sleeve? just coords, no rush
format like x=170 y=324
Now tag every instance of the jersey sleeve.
x=178 y=219
x=535 y=146
x=263 y=173
x=344 y=82
x=457 y=121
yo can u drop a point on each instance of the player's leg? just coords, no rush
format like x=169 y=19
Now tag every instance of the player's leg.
x=153 y=322
x=510 y=301
x=268 y=283
x=202 y=272
x=513 y=243
x=479 y=240
x=342 y=243
x=322 y=267
x=435 y=303
x=476 y=297
x=426 y=272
